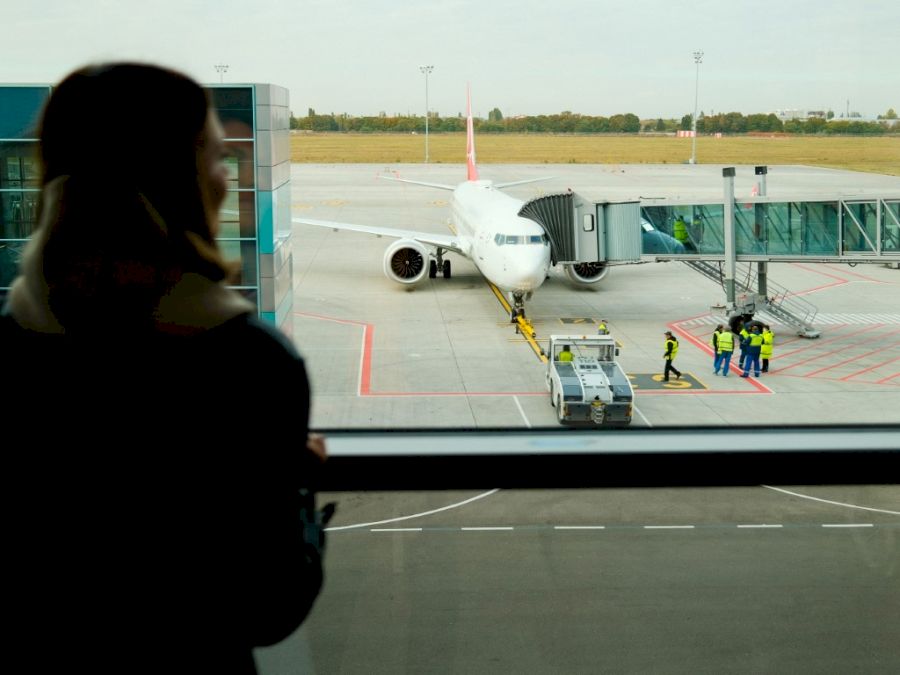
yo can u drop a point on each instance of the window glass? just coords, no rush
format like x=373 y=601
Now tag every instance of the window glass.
x=21 y=111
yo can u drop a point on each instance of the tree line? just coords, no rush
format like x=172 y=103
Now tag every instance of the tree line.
x=568 y=122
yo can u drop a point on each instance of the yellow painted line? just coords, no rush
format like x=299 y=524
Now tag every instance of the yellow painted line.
x=525 y=328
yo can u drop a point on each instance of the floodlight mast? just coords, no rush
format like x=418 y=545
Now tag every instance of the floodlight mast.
x=221 y=69
x=426 y=70
x=698 y=59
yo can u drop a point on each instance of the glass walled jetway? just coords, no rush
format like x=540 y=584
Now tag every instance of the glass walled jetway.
x=838 y=230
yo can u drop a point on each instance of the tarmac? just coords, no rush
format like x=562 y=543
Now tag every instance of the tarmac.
x=443 y=354
x=776 y=579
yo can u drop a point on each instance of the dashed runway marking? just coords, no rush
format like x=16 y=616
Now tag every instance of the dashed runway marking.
x=620 y=528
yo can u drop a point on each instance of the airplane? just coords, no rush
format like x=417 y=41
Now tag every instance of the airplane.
x=511 y=251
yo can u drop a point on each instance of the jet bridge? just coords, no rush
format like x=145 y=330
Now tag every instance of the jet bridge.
x=584 y=231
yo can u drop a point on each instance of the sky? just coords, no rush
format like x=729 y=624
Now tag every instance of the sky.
x=593 y=57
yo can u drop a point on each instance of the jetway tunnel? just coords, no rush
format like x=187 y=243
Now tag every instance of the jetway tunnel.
x=583 y=231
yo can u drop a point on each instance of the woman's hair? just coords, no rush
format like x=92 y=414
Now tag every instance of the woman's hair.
x=121 y=145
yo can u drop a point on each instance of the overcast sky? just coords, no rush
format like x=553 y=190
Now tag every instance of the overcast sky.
x=589 y=56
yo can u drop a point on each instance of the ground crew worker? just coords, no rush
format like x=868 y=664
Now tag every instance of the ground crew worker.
x=726 y=347
x=766 y=351
x=565 y=354
x=601 y=328
x=669 y=356
x=714 y=341
x=680 y=231
x=754 y=346
x=745 y=336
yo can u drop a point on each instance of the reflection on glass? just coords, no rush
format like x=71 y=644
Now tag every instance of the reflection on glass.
x=239 y=162
x=237 y=217
x=860 y=227
x=819 y=227
x=18 y=214
x=18 y=165
x=10 y=255
x=243 y=252
x=890 y=228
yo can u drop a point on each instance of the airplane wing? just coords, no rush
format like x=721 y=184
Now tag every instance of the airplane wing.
x=446 y=241
x=500 y=186
x=439 y=186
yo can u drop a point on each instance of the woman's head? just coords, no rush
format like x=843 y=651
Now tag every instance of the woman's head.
x=133 y=154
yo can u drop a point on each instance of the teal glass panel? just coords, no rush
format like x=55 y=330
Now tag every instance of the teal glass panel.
x=243 y=253
x=237 y=217
x=783 y=228
x=18 y=213
x=749 y=229
x=860 y=227
x=710 y=235
x=890 y=227
x=10 y=255
x=19 y=166
x=234 y=106
x=20 y=110
x=239 y=162
x=819 y=227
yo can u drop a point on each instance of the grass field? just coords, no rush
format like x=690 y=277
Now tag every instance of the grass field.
x=875 y=155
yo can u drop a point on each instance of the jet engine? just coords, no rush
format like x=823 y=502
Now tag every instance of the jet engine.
x=585 y=274
x=406 y=261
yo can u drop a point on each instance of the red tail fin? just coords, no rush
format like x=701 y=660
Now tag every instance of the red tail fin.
x=472 y=170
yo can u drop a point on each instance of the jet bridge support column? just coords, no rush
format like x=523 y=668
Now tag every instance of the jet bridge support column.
x=730 y=253
x=762 y=269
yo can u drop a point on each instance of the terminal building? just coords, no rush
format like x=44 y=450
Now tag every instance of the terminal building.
x=255 y=222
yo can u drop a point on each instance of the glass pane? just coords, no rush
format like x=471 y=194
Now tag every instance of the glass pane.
x=891 y=227
x=18 y=214
x=782 y=229
x=749 y=229
x=235 y=108
x=19 y=165
x=10 y=254
x=239 y=162
x=860 y=227
x=237 y=217
x=20 y=110
x=818 y=226
x=243 y=252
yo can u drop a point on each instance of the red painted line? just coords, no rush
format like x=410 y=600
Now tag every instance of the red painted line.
x=365 y=367
x=879 y=365
x=819 y=343
x=833 y=351
x=815 y=271
x=862 y=276
x=708 y=349
x=854 y=358
x=404 y=394
x=831 y=329
x=889 y=377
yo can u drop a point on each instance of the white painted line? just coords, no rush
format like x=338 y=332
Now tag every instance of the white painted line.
x=415 y=515
x=396 y=529
x=484 y=529
x=521 y=412
x=827 y=501
x=761 y=525
x=847 y=525
x=579 y=527
x=668 y=527
x=637 y=410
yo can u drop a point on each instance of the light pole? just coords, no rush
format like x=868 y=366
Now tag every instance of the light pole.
x=698 y=59
x=426 y=70
x=221 y=69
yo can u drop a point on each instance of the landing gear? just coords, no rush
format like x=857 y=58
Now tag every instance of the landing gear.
x=518 y=307
x=438 y=263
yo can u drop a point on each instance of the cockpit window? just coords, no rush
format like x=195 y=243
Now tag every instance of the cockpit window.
x=517 y=239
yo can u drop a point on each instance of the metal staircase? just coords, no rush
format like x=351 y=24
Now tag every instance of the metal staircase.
x=780 y=303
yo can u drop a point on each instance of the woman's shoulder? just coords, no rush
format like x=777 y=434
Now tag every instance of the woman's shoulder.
x=252 y=333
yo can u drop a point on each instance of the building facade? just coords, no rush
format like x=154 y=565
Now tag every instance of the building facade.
x=255 y=221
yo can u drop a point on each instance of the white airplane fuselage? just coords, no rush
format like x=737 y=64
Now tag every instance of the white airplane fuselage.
x=512 y=252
